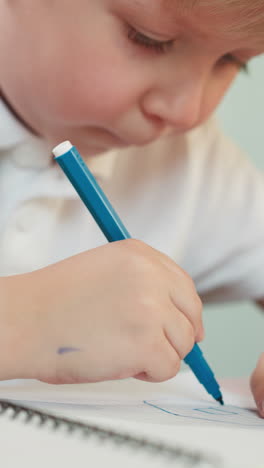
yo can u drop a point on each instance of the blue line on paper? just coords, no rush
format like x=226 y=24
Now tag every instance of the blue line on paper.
x=215 y=411
x=208 y=410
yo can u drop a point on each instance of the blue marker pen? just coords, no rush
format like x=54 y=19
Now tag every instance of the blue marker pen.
x=111 y=225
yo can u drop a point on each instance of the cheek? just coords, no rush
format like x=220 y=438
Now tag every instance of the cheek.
x=97 y=86
x=70 y=79
x=95 y=91
x=215 y=90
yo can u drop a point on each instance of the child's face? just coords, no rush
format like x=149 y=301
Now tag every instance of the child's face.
x=109 y=73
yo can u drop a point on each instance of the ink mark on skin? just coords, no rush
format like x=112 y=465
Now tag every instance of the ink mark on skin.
x=68 y=349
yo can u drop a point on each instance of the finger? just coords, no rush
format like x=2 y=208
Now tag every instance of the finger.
x=183 y=293
x=144 y=248
x=162 y=365
x=257 y=385
x=180 y=333
x=190 y=305
x=168 y=262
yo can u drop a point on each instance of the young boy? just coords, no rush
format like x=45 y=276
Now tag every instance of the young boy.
x=132 y=83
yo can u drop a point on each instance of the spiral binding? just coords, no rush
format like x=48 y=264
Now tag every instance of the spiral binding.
x=41 y=418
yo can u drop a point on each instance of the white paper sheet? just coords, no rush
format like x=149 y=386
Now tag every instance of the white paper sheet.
x=178 y=411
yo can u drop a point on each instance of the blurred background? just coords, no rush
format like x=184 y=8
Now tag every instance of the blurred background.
x=235 y=332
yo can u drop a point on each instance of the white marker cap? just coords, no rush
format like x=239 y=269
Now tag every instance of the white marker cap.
x=62 y=148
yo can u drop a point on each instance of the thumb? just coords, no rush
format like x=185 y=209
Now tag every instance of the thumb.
x=257 y=385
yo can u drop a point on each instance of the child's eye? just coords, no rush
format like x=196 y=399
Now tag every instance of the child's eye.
x=163 y=46
x=147 y=42
x=229 y=58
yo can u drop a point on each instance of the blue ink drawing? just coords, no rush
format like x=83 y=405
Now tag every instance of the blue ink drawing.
x=216 y=411
x=231 y=415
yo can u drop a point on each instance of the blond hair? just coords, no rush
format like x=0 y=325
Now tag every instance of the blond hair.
x=249 y=19
x=247 y=15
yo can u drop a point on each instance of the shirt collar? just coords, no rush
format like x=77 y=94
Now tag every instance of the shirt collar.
x=35 y=153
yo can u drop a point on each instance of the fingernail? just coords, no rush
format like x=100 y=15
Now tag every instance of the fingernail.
x=261 y=408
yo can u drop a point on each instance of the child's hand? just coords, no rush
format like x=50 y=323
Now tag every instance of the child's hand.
x=257 y=385
x=117 y=311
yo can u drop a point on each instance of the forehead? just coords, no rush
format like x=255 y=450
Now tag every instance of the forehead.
x=234 y=18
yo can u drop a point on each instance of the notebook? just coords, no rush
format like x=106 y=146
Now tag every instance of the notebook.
x=128 y=423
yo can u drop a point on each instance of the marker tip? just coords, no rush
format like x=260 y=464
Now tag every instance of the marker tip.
x=221 y=401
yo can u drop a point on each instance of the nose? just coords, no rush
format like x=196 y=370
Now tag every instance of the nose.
x=176 y=103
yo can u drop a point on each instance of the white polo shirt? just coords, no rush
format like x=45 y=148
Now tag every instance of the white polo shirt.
x=194 y=197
